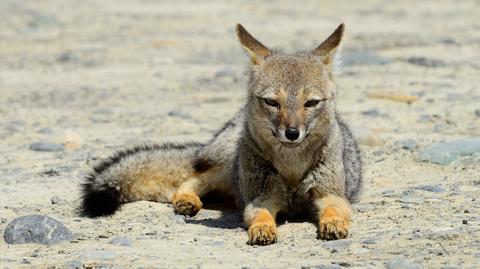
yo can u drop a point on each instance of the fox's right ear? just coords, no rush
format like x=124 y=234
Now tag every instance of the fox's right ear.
x=257 y=51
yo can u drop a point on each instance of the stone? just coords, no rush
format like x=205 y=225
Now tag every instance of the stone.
x=371 y=112
x=74 y=264
x=179 y=114
x=426 y=62
x=365 y=57
x=99 y=254
x=408 y=144
x=371 y=241
x=179 y=219
x=337 y=245
x=38 y=229
x=55 y=200
x=442 y=234
x=401 y=263
x=424 y=118
x=121 y=241
x=477 y=112
x=449 y=152
x=430 y=188
x=217 y=243
x=46 y=147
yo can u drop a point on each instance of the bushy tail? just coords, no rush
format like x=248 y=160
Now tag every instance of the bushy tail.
x=149 y=172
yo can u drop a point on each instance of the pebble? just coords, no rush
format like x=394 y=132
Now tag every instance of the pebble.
x=55 y=200
x=401 y=263
x=355 y=57
x=477 y=112
x=424 y=119
x=179 y=114
x=46 y=147
x=448 y=152
x=337 y=245
x=99 y=254
x=45 y=131
x=75 y=264
x=442 y=234
x=217 y=244
x=371 y=241
x=121 y=241
x=426 y=62
x=430 y=188
x=38 y=229
x=371 y=112
x=408 y=144
x=179 y=219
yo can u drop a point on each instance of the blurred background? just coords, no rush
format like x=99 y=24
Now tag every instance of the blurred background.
x=80 y=79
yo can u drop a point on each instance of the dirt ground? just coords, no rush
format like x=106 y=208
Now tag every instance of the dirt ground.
x=96 y=76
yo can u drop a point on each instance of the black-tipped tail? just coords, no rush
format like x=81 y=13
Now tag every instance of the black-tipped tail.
x=97 y=203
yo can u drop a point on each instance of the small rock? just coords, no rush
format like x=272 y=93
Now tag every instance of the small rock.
x=3 y=220
x=46 y=147
x=179 y=219
x=225 y=72
x=430 y=188
x=426 y=62
x=179 y=114
x=408 y=144
x=401 y=263
x=99 y=254
x=442 y=234
x=217 y=244
x=337 y=245
x=355 y=57
x=372 y=112
x=425 y=119
x=75 y=264
x=378 y=153
x=465 y=222
x=371 y=241
x=410 y=200
x=38 y=229
x=45 y=131
x=55 y=200
x=448 y=152
x=121 y=241
x=477 y=112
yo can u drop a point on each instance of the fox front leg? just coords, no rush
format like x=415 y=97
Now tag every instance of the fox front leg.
x=333 y=217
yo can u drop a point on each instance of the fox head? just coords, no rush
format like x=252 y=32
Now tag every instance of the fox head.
x=290 y=96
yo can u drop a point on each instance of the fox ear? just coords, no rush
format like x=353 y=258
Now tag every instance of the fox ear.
x=329 y=47
x=257 y=51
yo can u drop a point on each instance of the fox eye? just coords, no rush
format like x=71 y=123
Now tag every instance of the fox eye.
x=311 y=103
x=271 y=102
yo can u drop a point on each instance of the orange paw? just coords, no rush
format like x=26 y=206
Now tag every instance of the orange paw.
x=186 y=203
x=332 y=225
x=263 y=230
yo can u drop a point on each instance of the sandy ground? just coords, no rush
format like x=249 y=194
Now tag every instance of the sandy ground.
x=98 y=76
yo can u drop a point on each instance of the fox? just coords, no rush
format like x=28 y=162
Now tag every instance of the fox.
x=287 y=150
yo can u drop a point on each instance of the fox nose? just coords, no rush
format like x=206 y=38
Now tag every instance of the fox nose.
x=292 y=134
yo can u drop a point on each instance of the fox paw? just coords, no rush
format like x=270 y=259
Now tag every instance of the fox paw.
x=332 y=228
x=262 y=234
x=186 y=203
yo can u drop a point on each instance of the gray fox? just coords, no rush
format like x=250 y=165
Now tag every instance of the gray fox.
x=286 y=150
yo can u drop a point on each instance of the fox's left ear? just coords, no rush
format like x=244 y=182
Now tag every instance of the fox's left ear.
x=329 y=47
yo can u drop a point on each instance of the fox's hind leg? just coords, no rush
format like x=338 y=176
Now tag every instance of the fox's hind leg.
x=186 y=200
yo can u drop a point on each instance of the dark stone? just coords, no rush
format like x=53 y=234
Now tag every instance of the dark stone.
x=426 y=62
x=46 y=147
x=372 y=112
x=363 y=58
x=121 y=241
x=38 y=229
x=401 y=263
x=448 y=152
x=430 y=188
